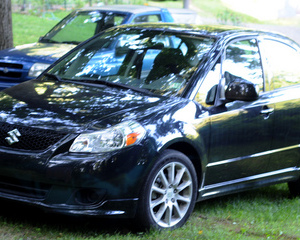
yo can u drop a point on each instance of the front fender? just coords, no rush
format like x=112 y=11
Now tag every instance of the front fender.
x=186 y=128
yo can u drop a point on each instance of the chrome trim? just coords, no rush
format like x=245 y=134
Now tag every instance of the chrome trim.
x=246 y=179
x=13 y=136
x=267 y=111
x=252 y=156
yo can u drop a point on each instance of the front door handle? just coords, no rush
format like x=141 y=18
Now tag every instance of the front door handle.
x=266 y=112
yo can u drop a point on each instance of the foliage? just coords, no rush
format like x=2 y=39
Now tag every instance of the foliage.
x=39 y=5
x=228 y=17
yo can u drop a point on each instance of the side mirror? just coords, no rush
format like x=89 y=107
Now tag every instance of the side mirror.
x=241 y=89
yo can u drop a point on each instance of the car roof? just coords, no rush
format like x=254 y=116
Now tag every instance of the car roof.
x=123 y=8
x=214 y=31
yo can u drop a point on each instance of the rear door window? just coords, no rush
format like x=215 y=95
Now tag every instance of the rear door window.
x=282 y=65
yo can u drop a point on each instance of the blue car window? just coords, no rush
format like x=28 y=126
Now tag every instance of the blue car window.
x=147 y=18
x=86 y=23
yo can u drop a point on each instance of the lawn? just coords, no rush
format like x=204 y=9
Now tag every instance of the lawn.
x=28 y=28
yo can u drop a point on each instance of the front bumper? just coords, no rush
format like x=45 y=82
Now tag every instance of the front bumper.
x=121 y=208
x=105 y=185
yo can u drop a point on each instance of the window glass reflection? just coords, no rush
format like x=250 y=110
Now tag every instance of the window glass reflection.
x=160 y=63
x=282 y=65
x=243 y=61
x=79 y=27
x=207 y=93
x=147 y=18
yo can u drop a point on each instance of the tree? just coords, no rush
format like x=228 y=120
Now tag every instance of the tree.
x=186 y=4
x=6 y=35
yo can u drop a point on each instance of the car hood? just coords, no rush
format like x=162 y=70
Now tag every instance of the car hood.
x=44 y=52
x=70 y=107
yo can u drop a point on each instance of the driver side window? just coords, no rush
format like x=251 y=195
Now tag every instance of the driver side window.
x=242 y=61
x=208 y=91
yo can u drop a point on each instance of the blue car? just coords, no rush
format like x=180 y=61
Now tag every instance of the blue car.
x=25 y=62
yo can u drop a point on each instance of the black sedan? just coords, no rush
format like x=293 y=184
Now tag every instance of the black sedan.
x=143 y=121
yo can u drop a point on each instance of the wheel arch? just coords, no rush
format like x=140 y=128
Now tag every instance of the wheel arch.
x=191 y=152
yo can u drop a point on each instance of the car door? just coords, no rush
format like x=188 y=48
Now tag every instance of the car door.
x=283 y=86
x=241 y=131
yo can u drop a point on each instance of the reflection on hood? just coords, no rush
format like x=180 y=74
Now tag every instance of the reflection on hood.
x=47 y=51
x=61 y=105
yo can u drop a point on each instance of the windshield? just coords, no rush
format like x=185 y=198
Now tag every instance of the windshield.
x=160 y=62
x=79 y=26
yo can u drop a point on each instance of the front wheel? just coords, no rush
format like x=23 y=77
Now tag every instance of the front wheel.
x=169 y=193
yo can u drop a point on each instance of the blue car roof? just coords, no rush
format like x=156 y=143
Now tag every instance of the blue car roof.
x=135 y=9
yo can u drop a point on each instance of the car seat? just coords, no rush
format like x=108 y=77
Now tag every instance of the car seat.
x=168 y=61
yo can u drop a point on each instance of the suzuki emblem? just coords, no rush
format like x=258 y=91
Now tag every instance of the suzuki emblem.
x=13 y=136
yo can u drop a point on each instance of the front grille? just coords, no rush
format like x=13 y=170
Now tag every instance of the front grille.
x=10 y=70
x=30 y=138
x=10 y=74
x=10 y=65
x=30 y=189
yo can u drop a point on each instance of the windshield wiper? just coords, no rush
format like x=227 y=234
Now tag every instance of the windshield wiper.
x=112 y=84
x=71 y=42
x=47 y=40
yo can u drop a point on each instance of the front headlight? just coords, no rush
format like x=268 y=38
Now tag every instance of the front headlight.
x=37 y=69
x=117 y=137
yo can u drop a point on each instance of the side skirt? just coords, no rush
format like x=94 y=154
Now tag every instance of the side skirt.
x=248 y=183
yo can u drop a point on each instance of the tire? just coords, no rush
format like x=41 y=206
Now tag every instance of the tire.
x=169 y=194
x=294 y=188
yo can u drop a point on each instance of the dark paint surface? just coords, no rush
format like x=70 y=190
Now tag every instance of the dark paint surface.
x=234 y=145
x=67 y=106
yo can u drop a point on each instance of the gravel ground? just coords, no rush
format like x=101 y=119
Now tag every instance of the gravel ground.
x=292 y=32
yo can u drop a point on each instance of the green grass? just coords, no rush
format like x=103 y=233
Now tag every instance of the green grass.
x=28 y=28
x=209 y=9
x=266 y=213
